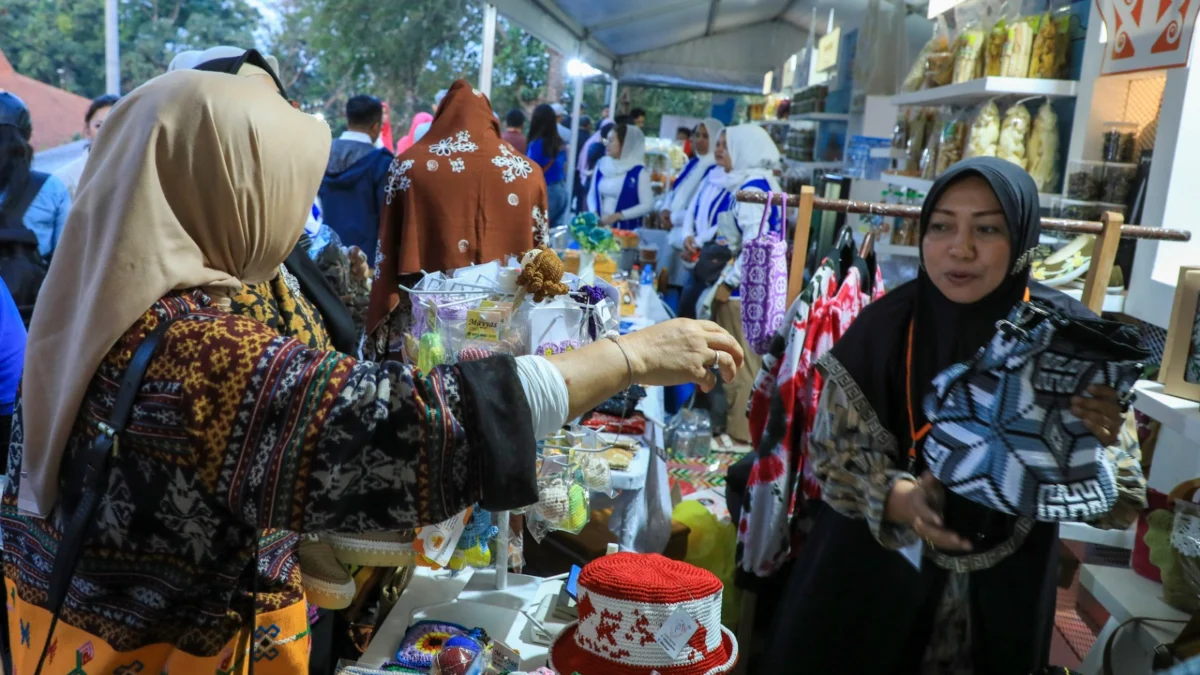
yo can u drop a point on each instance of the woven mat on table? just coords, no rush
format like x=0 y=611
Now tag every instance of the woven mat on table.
x=700 y=473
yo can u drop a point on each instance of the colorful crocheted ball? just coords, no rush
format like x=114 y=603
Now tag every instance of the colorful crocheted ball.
x=474 y=354
x=453 y=661
x=577 y=508
x=554 y=503
x=423 y=641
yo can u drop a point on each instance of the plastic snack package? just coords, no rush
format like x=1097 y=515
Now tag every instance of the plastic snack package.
x=1018 y=47
x=1051 y=43
x=994 y=49
x=939 y=69
x=1042 y=148
x=951 y=142
x=939 y=43
x=1014 y=135
x=919 y=124
x=969 y=44
x=984 y=136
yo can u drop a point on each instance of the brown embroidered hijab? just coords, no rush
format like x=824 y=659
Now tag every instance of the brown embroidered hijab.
x=459 y=196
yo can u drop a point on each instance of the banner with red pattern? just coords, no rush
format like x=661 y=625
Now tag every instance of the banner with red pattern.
x=1147 y=34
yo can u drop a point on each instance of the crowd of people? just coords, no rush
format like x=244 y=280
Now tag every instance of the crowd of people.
x=222 y=286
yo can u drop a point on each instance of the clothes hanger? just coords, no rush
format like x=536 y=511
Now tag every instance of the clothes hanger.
x=865 y=262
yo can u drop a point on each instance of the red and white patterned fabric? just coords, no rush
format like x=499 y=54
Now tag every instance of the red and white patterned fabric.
x=624 y=599
x=781 y=474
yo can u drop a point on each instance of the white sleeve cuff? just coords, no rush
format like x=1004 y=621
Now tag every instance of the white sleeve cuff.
x=546 y=391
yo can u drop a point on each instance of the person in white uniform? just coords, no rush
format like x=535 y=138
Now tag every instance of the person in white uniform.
x=687 y=184
x=620 y=191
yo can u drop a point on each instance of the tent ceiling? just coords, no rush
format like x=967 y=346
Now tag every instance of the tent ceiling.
x=709 y=44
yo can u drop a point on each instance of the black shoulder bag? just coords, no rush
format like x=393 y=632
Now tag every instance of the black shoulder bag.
x=21 y=265
x=87 y=480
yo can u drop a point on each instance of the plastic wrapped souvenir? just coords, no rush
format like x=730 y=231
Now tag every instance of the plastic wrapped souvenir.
x=1042 y=149
x=1014 y=134
x=939 y=69
x=919 y=125
x=1042 y=58
x=1018 y=47
x=939 y=43
x=994 y=50
x=968 y=53
x=985 y=132
x=950 y=144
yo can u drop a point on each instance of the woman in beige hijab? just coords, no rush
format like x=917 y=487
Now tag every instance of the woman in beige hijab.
x=198 y=186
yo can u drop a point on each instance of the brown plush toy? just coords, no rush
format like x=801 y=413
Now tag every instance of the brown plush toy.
x=541 y=275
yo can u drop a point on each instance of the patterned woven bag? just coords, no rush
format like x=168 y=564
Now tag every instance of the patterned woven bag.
x=1002 y=430
x=764 y=281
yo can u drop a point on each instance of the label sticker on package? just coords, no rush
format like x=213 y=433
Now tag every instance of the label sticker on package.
x=484 y=325
x=675 y=632
x=437 y=542
x=504 y=658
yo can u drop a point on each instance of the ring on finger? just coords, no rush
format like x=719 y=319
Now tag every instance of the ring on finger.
x=716 y=361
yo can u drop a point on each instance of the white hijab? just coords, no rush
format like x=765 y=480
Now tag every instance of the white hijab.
x=190 y=59
x=714 y=128
x=633 y=153
x=753 y=155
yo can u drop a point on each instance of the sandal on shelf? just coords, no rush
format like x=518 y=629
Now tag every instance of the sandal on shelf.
x=326 y=582
x=381 y=549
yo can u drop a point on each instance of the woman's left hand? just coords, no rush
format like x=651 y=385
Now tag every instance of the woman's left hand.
x=610 y=219
x=1101 y=413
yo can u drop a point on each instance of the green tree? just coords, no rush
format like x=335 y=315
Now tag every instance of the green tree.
x=62 y=41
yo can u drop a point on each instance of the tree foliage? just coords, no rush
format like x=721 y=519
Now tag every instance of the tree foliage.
x=62 y=41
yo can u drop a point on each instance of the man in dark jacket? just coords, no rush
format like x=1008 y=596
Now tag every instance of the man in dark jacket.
x=352 y=191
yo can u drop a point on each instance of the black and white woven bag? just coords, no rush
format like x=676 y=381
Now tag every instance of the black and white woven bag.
x=1002 y=430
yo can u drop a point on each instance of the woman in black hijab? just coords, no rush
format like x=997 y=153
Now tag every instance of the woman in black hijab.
x=897 y=575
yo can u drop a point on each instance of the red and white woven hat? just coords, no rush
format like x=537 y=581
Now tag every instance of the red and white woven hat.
x=624 y=599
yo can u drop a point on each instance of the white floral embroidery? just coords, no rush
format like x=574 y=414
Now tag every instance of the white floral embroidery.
x=515 y=166
x=513 y=200
x=431 y=165
x=378 y=258
x=461 y=142
x=540 y=217
x=397 y=180
x=457 y=165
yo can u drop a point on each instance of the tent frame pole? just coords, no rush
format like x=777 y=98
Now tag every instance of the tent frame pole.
x=488 y=55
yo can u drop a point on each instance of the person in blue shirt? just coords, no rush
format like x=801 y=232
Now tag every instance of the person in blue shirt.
x=12 y=360
x=547 y=149
x=356 y=177
x=47 y=212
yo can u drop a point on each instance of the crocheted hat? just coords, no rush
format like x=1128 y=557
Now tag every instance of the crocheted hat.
x=624 y=599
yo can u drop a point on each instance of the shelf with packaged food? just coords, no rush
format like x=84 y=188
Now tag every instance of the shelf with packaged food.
x=922 y=185
x=981 y=89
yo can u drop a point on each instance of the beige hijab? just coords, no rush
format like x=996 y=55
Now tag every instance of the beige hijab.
x=186 y=188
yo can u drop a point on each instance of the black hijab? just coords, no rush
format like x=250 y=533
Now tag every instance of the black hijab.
x=313 y=286
x=945 y=332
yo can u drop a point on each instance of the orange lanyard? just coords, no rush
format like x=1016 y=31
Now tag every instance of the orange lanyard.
x=917 y=435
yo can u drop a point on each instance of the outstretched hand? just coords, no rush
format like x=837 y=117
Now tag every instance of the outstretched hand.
x=683 y=350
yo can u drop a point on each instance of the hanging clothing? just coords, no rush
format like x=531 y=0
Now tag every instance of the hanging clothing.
x=240 y=438
x=408 y=140
x=781 y=412
x=690 y=178
x=623 y=185
x=988 y=612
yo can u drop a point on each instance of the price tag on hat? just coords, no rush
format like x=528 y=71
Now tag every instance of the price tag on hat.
x=675 y=632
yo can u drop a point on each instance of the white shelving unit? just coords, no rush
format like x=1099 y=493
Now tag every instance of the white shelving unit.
x=1126 y=595
x=1177 y=414
x=922 y=185
x=1113 y=302
x=1094 y=535
x=899 y=251
x=814 y=166
x=819 y=117
x=977 y=91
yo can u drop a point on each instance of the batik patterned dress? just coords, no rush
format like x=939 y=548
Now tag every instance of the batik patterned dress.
x=280 y=305
x=241 y=437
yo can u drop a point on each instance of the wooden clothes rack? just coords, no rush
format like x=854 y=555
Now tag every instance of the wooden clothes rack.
x=1108 y=232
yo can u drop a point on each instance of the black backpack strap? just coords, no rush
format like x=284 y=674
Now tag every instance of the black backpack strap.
x=89 y=477
x=14 y=212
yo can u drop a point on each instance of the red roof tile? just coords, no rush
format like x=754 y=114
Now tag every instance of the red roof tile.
x=57 y=114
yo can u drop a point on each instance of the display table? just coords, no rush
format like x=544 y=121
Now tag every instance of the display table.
x=429 y=593
x=1126 y=595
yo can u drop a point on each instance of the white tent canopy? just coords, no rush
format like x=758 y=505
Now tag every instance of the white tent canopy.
x=724 y=45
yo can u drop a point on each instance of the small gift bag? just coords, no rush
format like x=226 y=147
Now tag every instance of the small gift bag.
x=764 y=281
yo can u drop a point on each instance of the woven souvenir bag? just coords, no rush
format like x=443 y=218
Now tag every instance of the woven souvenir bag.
x=764 y=281
x=1002 y=430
